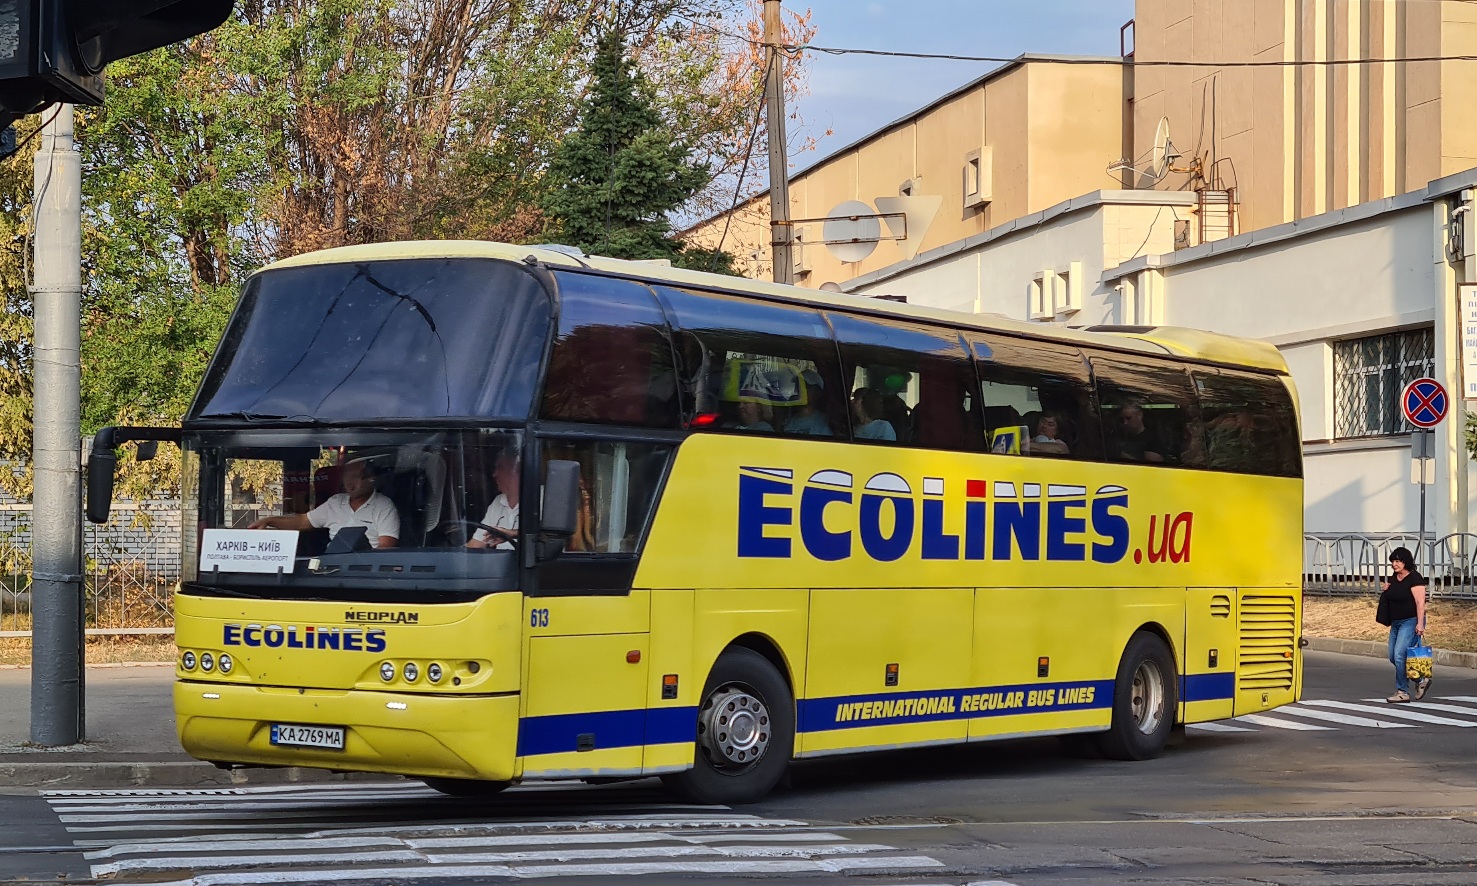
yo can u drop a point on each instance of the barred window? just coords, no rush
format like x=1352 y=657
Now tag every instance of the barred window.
x=1369 y=375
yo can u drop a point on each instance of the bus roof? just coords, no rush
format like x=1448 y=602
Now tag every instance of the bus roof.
x=1193 y=344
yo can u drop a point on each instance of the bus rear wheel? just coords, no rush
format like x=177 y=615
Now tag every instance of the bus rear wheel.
x=1144 y=701
x=466 y=787
x=745 y=732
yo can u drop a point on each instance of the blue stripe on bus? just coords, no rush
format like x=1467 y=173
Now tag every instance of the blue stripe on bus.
x=559 y=733
x=1207 y=687
x=886 y=709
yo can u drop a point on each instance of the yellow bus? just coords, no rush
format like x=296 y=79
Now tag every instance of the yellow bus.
x=477 y=513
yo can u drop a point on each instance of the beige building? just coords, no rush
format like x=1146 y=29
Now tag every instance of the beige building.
x=1264 y=188
x=1285 y=137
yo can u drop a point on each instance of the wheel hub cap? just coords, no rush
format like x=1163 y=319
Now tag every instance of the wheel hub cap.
x=735 y=728
x=1148 y=697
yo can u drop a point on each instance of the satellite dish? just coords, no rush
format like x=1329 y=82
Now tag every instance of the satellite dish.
x=1161 y=159
x=851 y=231
x=1162 y=153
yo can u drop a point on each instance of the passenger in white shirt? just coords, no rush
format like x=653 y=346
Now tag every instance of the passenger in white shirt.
x=358 y=505
x=502 y=514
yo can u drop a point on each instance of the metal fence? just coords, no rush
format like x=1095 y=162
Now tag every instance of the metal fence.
x=132 y=564
x=1348 y=564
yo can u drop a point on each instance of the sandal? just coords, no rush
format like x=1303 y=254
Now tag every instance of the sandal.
x=1399 y=696
x=1421 y=686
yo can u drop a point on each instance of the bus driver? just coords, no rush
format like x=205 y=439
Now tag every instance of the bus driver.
x=360 y=504
x=502 y=514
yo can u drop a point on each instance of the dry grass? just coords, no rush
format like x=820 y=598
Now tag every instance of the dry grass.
x=100 y=650
x=1451 y=624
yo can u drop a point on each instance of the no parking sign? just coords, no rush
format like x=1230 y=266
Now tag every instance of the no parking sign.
x=1424 y=402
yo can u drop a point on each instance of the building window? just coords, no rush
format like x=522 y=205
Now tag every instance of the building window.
x=1369 y=375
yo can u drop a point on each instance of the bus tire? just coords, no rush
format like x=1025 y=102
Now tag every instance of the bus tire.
x=466 y=787
x=1144 y=701
x=746 y=732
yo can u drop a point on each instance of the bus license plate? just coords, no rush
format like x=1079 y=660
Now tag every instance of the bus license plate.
x=308 y=736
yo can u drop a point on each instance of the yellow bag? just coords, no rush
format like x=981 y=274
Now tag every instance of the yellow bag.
x=1418 y=660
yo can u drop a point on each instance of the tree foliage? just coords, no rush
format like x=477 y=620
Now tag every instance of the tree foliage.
x=305 y=124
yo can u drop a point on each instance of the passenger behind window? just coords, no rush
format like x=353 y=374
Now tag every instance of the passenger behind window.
x=866 y=406
x=753 y=416
x=1046 y=435
x=810 y=417
x=502 y=514
x=1132 y=440
x=895 y=410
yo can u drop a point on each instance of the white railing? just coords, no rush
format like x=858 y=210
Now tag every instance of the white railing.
x=1354 y=563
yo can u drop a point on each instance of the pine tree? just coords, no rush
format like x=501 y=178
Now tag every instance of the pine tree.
x=614 y=181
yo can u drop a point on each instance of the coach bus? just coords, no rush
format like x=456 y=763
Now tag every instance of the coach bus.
x=477 y=513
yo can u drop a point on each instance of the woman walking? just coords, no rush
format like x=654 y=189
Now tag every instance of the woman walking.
x=1403 y=607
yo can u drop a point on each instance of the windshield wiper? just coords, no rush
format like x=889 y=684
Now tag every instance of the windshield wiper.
x=258 y=417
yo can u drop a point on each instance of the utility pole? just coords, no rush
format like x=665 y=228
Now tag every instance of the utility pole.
x=56 y=530
x=781 y=235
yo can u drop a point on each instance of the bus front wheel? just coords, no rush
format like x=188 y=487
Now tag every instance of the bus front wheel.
x=1144 y=701
x=745 y=732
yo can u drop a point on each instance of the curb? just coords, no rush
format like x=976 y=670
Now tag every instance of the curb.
x=1381 y=649
x=142 y=775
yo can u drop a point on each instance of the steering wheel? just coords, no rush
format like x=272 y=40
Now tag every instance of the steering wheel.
x=492 y=531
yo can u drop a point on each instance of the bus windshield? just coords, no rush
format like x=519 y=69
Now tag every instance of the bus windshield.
x=392 y=339
x=378 y=516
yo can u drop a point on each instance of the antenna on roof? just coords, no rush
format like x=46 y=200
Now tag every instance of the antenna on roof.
x=1161 y=160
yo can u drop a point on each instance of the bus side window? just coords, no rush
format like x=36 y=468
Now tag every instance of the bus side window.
x=909 y=384
x=751 y=367
x=1150 y=412
x=618 y=486
x=612 y=361
x=1250 y=424
x=1037 y=399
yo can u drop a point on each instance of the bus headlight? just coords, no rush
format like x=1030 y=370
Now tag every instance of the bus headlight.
x=433 y=672
x=387 y=671
x=207 y=662
x=412 y=673
x=225 y=663
x=188 y=660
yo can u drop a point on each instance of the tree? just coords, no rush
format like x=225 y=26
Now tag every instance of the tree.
x=614 y=181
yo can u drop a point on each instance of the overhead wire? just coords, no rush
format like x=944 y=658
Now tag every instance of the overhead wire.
x=748 y=155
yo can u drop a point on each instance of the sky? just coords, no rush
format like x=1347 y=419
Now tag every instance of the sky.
x=854 y=95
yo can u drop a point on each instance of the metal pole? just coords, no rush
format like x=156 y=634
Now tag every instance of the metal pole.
x=780 y=234
x=56 y=580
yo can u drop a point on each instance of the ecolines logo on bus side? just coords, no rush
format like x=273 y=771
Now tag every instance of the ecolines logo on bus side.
x=1041 y=521
x=310 y=637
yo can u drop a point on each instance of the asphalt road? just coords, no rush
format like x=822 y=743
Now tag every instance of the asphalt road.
x=1337 y=790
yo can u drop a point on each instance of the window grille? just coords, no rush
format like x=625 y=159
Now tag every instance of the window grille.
x=1369 y=375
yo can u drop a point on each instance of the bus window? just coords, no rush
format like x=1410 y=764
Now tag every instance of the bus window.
x=1150 y=413
x=1037 y=399
x=618 y=484
x=1250 y=424
x=909 y=384
x=750 y=367
x=612 y=361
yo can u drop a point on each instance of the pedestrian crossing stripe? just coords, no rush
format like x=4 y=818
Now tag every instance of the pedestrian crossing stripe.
x=1321 y=715
x=343 y=832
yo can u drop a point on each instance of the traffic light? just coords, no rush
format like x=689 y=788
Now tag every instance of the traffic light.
x=55 y=50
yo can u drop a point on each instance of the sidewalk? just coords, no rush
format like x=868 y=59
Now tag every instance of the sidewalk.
x=130 y=738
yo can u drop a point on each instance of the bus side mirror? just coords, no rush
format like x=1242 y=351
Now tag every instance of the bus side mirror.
x=561 y=508
x=100 y=467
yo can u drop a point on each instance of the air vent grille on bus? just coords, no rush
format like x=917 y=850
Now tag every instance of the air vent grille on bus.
x=1268 y=641
x=1220 y=606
